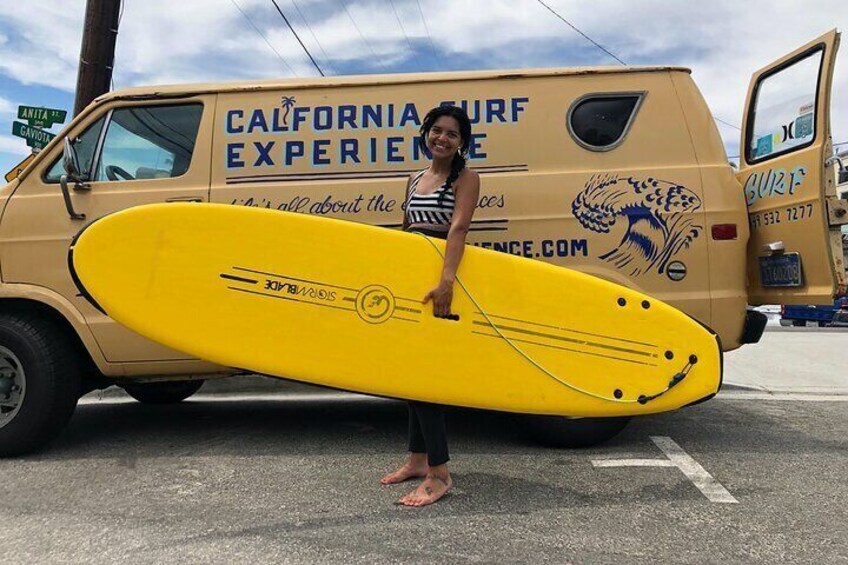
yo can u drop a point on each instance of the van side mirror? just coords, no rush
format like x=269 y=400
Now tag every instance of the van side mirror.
x=70 y=161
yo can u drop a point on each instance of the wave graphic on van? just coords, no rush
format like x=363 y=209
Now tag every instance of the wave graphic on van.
x=659 y=215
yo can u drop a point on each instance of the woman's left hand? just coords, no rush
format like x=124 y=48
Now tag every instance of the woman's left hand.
x=441 y=296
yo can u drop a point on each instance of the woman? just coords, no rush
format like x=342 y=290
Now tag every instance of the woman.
x=440 y=202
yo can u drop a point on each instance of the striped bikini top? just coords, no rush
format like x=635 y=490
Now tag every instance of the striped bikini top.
x=426 y=208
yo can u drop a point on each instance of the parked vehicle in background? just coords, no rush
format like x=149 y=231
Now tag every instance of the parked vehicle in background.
x=823 y=315
x=817 y=314
x=840 y=318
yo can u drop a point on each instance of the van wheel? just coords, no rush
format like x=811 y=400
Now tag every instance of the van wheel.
x=40 y=375
x=164 y=392
x=559 y=431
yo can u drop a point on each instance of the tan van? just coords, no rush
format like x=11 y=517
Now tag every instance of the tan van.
x=618 y=172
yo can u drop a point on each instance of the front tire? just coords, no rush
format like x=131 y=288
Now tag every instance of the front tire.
x=40 y=376
x=559 y=431
x=163 y=392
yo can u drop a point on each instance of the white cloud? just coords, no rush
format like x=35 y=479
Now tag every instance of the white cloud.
x=6 y=107
x=42 y=45
x=13 y=145
x=162 y=41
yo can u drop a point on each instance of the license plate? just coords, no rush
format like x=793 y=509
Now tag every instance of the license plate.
x=781 y=270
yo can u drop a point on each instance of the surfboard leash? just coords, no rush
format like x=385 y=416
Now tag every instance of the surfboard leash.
x=642 y=399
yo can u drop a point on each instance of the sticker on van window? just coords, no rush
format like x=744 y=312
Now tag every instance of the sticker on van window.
x=658 y=216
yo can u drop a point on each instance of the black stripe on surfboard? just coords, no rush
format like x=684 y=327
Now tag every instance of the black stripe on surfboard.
x=568 y=339
x=279 y=276
x=578 y=351
x=238 y=279
x=347 y=175
x=405 y=309
x=613 y=338
x=405 y=319
x=353 y=310
x=289 y=298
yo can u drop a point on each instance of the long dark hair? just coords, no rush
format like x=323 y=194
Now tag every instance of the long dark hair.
x=457 y=113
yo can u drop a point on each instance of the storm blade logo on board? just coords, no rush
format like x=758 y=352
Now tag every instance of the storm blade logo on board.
x=659 y=216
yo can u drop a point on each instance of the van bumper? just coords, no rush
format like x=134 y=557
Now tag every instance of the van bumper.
x=755 y=325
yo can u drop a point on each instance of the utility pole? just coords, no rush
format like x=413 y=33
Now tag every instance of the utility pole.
x=97 y=53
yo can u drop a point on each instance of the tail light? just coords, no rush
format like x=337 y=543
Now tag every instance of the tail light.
x=724 y=231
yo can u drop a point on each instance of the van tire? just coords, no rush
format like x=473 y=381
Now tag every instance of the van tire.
x=560 y=431
x=45 y=369
x=163 y=392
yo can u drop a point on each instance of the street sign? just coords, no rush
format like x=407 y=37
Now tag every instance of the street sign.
x=19 y=168
x=35 y=138
x=41 y=117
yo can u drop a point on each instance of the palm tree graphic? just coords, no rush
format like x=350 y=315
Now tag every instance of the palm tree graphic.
x=288 y=102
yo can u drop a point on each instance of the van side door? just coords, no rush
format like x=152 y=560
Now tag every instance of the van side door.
x=794 y=252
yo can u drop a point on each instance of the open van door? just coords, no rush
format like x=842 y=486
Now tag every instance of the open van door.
x=795 y=250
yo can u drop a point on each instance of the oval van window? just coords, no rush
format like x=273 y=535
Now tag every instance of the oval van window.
x=599 y=122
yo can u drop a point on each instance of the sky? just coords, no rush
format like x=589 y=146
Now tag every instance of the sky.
x=169 y=42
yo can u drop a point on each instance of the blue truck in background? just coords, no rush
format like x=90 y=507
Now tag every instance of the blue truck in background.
x=822 y=314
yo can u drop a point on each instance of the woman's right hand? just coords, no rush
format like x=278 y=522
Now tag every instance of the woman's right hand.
x=442 y=296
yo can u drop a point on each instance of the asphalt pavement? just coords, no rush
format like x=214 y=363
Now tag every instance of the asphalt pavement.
x=260 y=470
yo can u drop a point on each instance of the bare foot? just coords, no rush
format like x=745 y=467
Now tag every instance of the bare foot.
x=409 y=470
x=429 y=491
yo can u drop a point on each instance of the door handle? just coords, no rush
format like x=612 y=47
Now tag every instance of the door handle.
x=185 y=199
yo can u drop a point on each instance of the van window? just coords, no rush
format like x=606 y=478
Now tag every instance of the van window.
x=599 y=122
x=149 y=142
x=783 y=116
x=85 y=144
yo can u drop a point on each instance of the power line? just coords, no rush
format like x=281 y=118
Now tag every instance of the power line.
x=726 y=123
x=408 y=42
x=569 y=24
x=429 y=37
x=359 y=31
x=262 y=35
x=309 y=27
x=285 y=19
x=604 y=49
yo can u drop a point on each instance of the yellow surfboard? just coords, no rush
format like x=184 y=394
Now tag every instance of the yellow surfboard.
x=339 y=304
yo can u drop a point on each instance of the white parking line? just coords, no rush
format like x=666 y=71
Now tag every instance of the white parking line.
x=633 y=463
x=705 y=482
